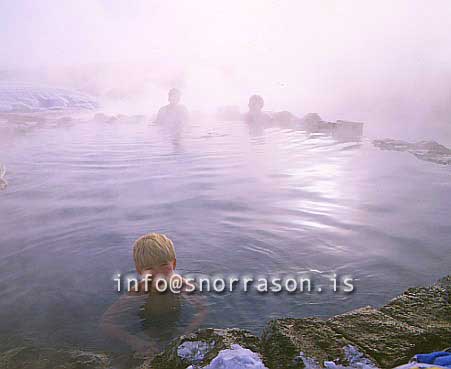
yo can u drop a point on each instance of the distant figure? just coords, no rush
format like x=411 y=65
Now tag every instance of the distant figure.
x=255 y=113
x=174 y=112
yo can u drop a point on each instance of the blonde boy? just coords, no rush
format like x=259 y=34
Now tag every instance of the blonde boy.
x=155 y=261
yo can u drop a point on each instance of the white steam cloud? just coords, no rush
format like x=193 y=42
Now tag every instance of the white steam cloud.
x=384 y=61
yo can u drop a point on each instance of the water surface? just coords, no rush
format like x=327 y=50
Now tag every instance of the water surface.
x=234 y=201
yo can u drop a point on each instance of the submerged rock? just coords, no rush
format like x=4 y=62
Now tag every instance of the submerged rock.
x=119 y=118
x=38 y=358
x=424 y=150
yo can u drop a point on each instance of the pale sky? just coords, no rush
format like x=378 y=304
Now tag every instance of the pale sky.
x=289 y=50
x=62 y=31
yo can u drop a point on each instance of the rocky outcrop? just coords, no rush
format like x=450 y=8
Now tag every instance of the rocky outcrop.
x=423 y=150
x=367 y=338
x=284 y=339
x=417 y=321
x=340 y=130
x=388 y=341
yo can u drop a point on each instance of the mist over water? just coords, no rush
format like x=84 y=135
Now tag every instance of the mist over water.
x=385 y=63
x=80 y=184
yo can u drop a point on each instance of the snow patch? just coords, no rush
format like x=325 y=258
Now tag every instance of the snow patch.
x=236 y=357
x=194 y=351
x=309 y=363
x=25 y=97
x=356 y=359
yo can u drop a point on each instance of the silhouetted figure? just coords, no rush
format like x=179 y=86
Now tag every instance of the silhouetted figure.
x=174 y=112
x=255 y=115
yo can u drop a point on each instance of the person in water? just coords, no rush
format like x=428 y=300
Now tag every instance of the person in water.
x=159 y=312
x=255 y=114
x=174 y=112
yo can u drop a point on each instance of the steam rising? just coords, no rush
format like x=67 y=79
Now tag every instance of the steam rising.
x=378 y=61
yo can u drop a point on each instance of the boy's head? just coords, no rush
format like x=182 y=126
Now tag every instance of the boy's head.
x=256 y=103
x=174 y=96
x=154 y=252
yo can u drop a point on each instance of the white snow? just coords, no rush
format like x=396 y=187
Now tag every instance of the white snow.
x=309 y=363
x=356 y=359
x=26 y=97
x=194 y=351
x=236 y=357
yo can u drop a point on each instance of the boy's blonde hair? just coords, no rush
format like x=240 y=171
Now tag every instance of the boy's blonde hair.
x=152 y=250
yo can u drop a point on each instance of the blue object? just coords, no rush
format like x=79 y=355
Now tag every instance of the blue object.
x=441 y=358
x=443 y=361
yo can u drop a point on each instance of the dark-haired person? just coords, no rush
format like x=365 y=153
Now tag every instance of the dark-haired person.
x=174 y=112
x=255 y=115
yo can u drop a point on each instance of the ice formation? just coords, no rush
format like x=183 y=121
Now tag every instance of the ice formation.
x=25 y=97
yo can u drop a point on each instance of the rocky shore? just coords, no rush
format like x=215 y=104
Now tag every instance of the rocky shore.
x=417 y=321
x=423 y=150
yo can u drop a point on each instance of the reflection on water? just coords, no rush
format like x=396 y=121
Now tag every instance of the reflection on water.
x=234 y=200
